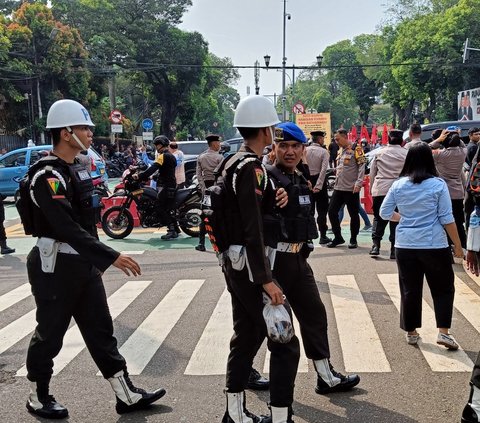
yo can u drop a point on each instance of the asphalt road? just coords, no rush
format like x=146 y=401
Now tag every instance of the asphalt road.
x=163 y=320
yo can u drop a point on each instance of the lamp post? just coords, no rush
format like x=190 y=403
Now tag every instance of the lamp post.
x=284 y=59
x=256 y=74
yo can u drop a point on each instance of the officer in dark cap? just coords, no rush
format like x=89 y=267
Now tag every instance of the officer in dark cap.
x=293 y=233
x=317 y=160
x=206 y=164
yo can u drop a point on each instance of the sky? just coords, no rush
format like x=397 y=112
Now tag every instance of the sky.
x=246 y=30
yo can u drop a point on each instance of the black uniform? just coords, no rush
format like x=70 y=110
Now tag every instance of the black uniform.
x=246 y=209
x=291 y=270
x=66 y=212
x=165 y=164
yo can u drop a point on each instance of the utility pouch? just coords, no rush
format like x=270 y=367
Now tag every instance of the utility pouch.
x=237 y=256
x=48 y=248
x=307 y=249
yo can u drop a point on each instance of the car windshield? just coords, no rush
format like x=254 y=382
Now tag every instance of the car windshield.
x=193 y=148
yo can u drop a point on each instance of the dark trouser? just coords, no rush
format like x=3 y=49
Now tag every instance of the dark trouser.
x=352 y=201
x=249 y=332
x=74 y=290
x=459 y=216
x=380 y=224
x=295 y=276
x=320 y=203
x=333 y=161
x=3 y=235
x=476 y=372
x=203 y=231
x=469 y=205
x=166 y=203
x=436 y=266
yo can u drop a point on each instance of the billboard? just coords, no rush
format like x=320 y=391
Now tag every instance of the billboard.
x=469 y=104
x=315 y=122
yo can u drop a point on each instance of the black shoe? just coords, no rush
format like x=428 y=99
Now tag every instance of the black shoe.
x=257 y=382
x=346 y=383
x=255 y=419
x=469 y=415
x=336 y=241
x=392 y=254
x=353 y=244
x=200 y=247
x=169 y=236
x=7 y=250
x=147 y=399
x=375 y=251
x=324 y=240
x=46 y=407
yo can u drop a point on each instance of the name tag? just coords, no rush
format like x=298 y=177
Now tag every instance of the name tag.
x=207 y=201
x=304 y=199
x=83 y=175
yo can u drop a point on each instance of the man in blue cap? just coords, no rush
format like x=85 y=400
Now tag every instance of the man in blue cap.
x=293 y=228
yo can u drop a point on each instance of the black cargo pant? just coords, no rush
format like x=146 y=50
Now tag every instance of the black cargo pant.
x=3 y=235
x=436 y=266
x=249 y=332
x=320 y=202
x=203 y=231
x=352 y=201
x=379 y=224
x=74 y=290
x=297 y=281
x=166 y=203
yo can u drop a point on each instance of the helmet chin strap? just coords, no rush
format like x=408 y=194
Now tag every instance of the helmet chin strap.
x=76 y=138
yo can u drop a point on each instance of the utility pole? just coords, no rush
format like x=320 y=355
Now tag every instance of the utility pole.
x=284 y=60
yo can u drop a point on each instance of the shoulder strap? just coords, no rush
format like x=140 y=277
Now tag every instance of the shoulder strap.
x=279 y=175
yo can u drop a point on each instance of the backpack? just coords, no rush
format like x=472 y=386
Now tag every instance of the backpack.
x=25 y=201
x=216 y=202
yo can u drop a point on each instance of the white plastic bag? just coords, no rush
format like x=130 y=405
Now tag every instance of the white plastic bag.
x=277 y=319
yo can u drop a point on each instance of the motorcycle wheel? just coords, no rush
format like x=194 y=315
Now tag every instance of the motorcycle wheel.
x=117 y=222
x=190 y=220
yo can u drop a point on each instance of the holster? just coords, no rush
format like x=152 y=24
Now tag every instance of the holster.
x=48 y=249
x=307 y=249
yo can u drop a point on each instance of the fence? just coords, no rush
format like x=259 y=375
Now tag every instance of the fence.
x=12 y=142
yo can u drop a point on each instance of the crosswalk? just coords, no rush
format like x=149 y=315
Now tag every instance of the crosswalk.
x=359 y=336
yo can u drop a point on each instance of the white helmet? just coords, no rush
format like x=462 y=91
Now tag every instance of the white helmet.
x=255 y=112
x=65 y=113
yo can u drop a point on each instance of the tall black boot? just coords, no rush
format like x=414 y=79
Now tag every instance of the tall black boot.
x=171 y=233
x=471 y=412
x=41 y=403
x=4 y=249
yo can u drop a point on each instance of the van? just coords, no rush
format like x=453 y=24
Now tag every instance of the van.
x=14 y=165
x=427 y=129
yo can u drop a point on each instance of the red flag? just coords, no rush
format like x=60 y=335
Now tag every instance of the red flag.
x=364 y=133
x=374 y=137
x=385 y=134
x=354 y=133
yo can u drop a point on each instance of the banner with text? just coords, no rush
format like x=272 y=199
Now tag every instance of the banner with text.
x=315 y=122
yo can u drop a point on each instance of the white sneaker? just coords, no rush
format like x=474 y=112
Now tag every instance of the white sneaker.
x=412 y=339
x=447 y=340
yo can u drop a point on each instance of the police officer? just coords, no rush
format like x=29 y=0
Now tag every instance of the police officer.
x=248 y=191
x=384 y=171
x=165 y=163
x=4 y=248
x=65 y=268
x=317 y=160
x=206 y=164
x=294 y=244
x=350 y=173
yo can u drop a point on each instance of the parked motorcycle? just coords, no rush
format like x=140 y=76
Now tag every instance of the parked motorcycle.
x=100 y=187
x=331 y=176
x=117 y=221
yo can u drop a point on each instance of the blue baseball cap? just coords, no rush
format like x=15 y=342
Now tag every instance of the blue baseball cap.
x=288 y=131
x=453 y=128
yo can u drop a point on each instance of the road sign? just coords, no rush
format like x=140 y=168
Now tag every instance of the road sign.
x=147 y=124
x=298 y=108
x=116 y=129
x=147 y=136
x=116 y=116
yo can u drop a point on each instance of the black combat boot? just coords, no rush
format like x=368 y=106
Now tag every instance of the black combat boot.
x=237 y=410
x=324 y=239
x=129 y=397
x=257 y=382
x=171 y=233
x=471 y=412
x=329 y=380
x=375 y=251
x=338 y=240
x=5 y=249
x=41 y=403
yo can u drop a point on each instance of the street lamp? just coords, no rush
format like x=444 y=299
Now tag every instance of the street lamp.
x=267 y=60
x=319 y=60
x=284 y=59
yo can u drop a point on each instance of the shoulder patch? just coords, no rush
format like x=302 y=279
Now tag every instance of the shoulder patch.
x=54 y=183
x=159 y=159
x=260 y=176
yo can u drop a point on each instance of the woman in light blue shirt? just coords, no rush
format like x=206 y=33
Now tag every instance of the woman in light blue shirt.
x=421 y=246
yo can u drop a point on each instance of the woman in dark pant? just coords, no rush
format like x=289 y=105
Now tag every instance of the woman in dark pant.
x=424 y=214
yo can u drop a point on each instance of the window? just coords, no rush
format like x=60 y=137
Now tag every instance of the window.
x=14 y=160
x=36 y=155
x=193 y=148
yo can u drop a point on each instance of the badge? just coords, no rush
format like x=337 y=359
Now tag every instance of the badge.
x=54 y=183
x=304 y=200
x=259 y=175
x=83 y=175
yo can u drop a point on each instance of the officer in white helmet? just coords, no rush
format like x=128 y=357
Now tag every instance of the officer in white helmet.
x=247 y=268
x=66 y=264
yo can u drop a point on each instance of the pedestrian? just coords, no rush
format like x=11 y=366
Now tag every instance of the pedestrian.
x=449 y=162
x=4 y=248
x=165 y=165
x=333 y=150
x=421 y=246
x=470 y=162
x=414 y=135
x=384 y=171
x=180 y=168
x=349 y=181
x=206 y=164
x=66 y=265
x=247 y=195
x=294 y=244
x=317 y=160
